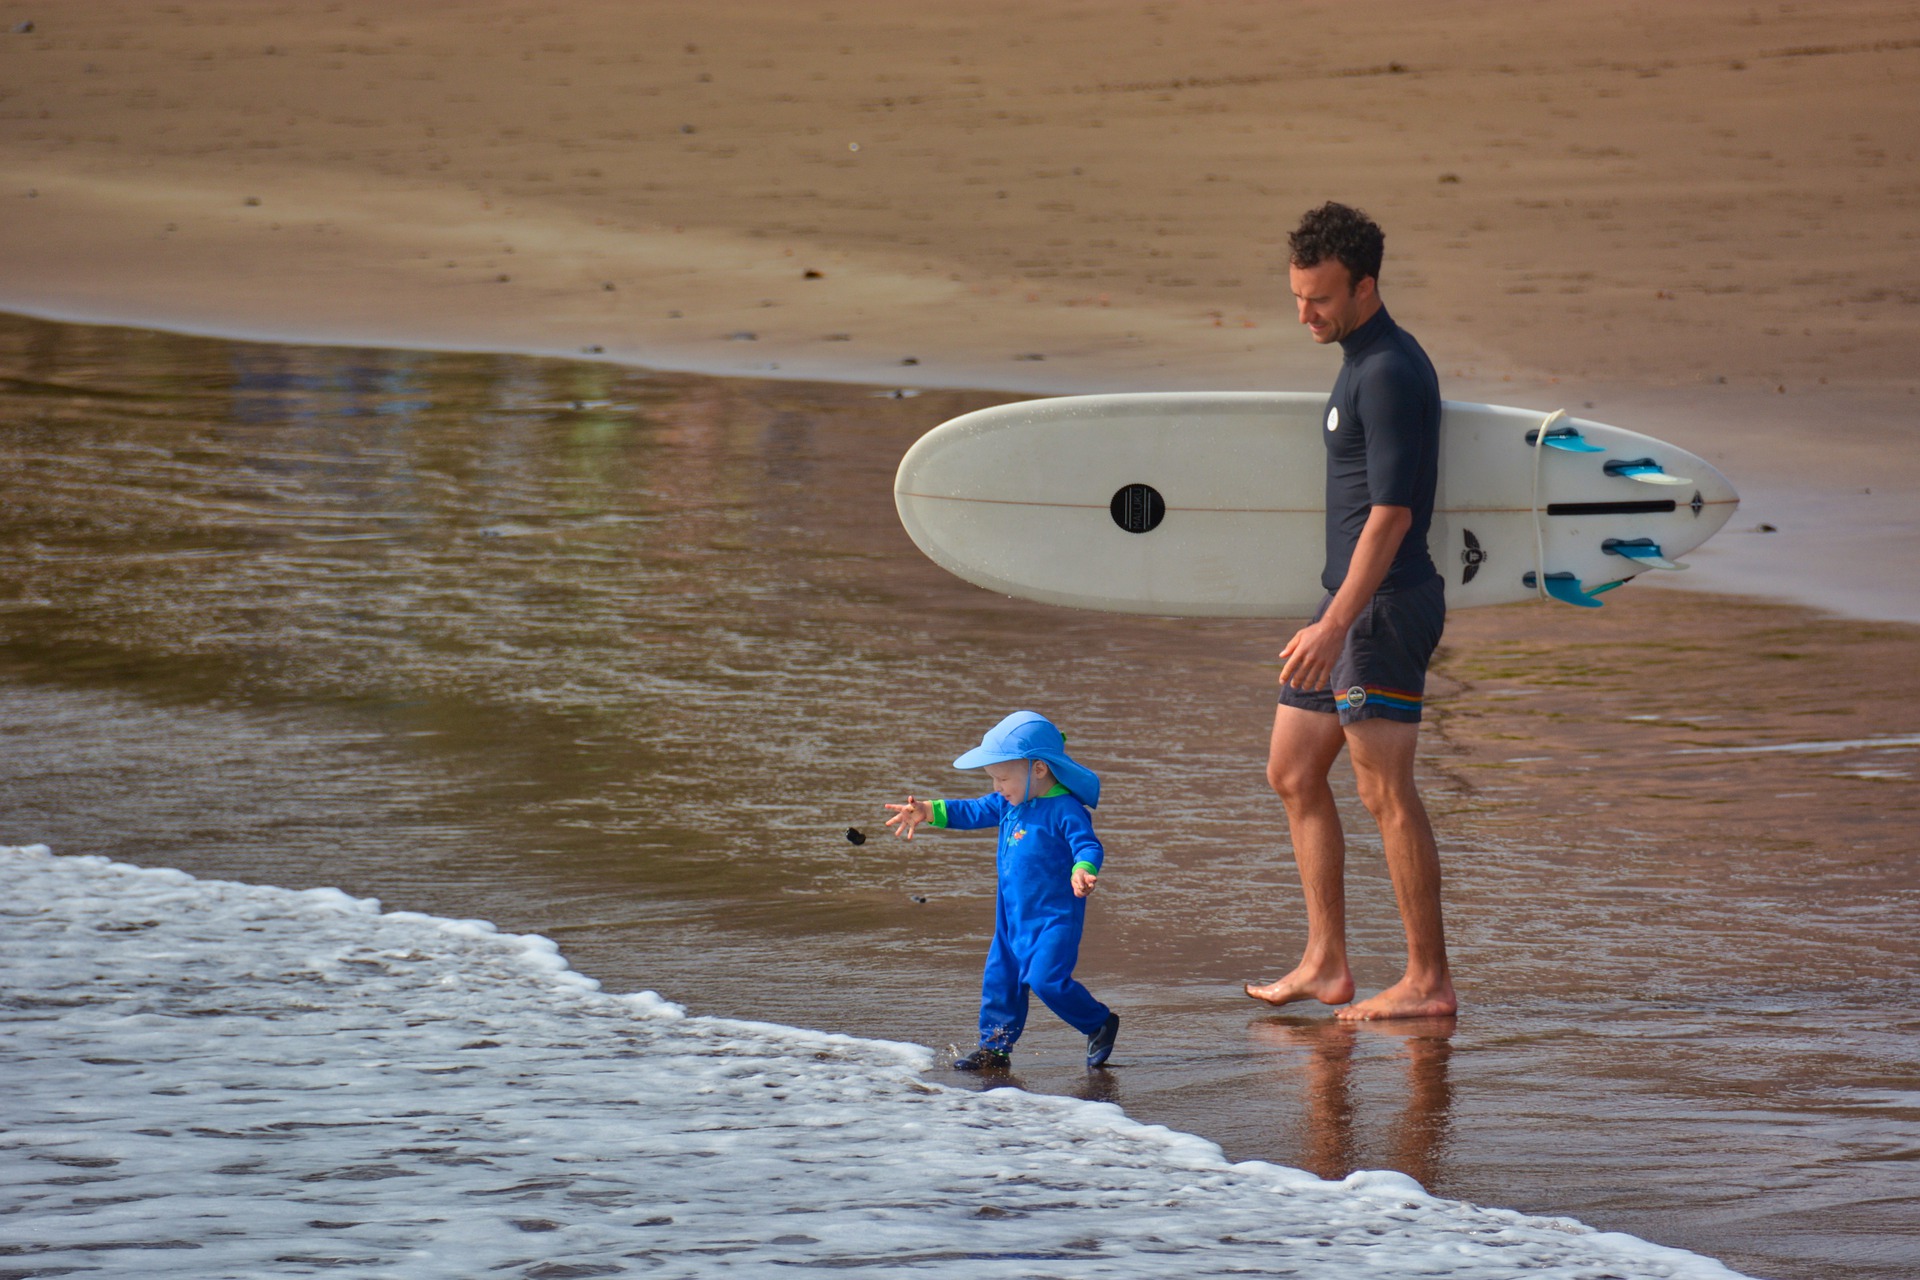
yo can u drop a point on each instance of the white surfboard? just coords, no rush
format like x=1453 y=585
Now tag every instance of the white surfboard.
x=1211 y=504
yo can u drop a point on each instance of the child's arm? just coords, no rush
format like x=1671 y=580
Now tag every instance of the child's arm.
x=1088 y=854
x=961 y=815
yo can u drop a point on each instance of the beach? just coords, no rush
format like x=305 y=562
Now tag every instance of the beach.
x=498 y=616
x=1694 y=221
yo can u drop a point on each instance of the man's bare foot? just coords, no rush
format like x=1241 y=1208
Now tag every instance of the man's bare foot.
x=1326 y=988
x=1404 y=999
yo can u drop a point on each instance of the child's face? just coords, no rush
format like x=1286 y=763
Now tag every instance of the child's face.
x=1010 y=779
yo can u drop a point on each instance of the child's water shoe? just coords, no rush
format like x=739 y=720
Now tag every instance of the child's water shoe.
x=984 y=1059
x=1100 y=1043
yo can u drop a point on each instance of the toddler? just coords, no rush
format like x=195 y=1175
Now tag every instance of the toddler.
x=1047 y=864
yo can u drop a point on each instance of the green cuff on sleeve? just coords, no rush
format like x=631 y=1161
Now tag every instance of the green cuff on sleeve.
x=1087 y=867
x=939 y=813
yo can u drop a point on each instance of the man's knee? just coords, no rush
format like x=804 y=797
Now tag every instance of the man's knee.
x=1303 y=749
x=1297 y=781
x=1386 y=797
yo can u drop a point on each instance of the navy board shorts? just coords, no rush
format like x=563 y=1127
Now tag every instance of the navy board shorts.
x=1382 y=669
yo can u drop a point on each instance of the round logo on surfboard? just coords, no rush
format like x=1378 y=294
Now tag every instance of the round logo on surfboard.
x=1333 y=418
x=1138 y=508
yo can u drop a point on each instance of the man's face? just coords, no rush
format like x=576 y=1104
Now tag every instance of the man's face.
x=1330 y=306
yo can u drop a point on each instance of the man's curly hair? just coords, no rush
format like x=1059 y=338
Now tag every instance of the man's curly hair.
x=1342 y=233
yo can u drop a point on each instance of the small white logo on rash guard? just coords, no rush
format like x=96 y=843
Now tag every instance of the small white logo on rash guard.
x=1333 y=418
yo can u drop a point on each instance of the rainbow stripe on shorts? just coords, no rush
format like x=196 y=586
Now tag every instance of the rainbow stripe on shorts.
x=1362 y=695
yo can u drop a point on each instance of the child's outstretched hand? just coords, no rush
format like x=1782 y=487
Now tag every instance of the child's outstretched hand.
x=908 y=816
x=1083 y=882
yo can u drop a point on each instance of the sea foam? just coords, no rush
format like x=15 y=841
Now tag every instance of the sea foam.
x=211 y=1079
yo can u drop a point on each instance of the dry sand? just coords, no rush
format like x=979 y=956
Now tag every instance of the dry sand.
x=1695 y=220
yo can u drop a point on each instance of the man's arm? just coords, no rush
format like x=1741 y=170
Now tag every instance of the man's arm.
x=1307 y=661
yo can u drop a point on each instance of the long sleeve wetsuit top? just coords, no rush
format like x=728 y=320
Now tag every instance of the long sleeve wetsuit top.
x=1383 y=448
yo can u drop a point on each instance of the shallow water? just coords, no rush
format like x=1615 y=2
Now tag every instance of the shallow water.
x=617 y=658
x=265 y=1082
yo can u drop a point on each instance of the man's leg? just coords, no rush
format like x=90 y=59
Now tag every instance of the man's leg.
x=1302 y=751
x=1382 y=751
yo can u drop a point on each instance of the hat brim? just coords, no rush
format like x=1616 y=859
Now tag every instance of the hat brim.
x=981 y=757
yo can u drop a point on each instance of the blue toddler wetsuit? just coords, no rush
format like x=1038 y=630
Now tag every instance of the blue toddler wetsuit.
x=1037 y=918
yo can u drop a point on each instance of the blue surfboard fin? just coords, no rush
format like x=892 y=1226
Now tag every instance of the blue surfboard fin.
x=1565 y=588
x=1566 y=438
x=1645 y=470
x=1641 y=551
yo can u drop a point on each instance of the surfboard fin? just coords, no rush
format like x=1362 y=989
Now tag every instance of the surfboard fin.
x=1565 y=588
x=1645 y=470
x=1568 y=439
x=1643 y=551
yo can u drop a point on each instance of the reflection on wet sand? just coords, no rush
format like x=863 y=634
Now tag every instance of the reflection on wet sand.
x=1318 y=1053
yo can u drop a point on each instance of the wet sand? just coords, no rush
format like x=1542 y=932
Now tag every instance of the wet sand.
x=1692 y=221
x=1668 y=713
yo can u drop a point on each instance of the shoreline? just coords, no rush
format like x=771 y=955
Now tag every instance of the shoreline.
x=1836 y=559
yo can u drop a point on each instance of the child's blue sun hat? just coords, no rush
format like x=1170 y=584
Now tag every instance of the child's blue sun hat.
x=1028 y=735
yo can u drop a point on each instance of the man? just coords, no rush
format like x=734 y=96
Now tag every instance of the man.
x=1354 y=677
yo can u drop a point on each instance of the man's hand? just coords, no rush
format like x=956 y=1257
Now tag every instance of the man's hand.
x=1307 y=661
x=908 y=816
x=1083 y=882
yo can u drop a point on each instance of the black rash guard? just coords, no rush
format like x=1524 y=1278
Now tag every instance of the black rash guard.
x=1383 y=448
